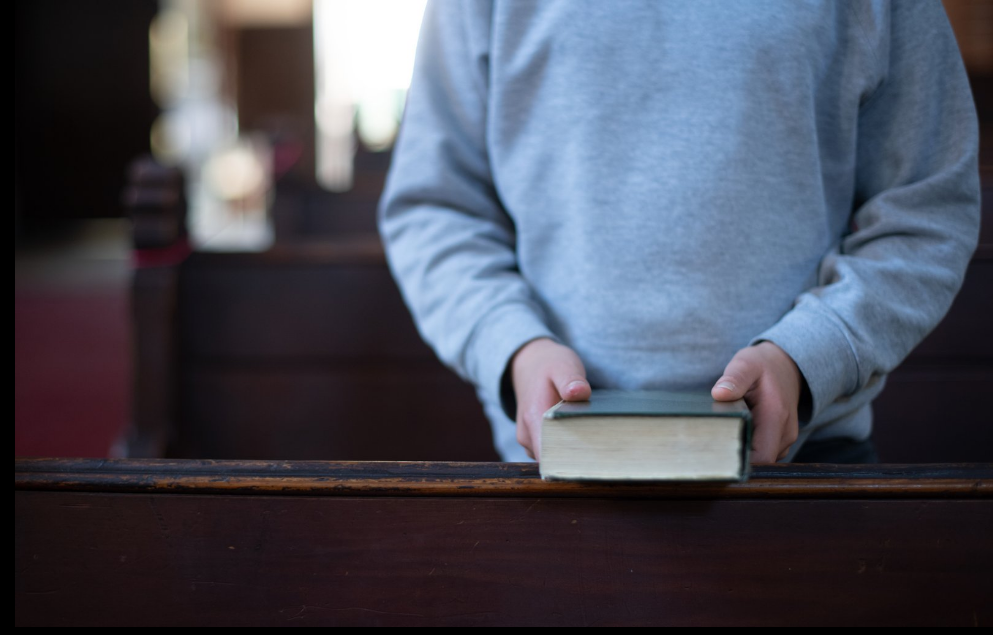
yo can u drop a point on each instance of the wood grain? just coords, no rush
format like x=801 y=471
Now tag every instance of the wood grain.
x=385 y=478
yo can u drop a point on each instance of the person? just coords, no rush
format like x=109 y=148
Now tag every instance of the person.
x=773 y=200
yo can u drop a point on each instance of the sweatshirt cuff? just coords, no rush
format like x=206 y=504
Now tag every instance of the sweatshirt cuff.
x=495 y=341
x=822 y=352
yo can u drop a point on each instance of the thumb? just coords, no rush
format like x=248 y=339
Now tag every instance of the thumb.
x=739 y=376
x=569 y=378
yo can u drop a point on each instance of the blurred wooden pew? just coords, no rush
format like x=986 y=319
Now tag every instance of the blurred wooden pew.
x=305 y=351
x=936 y=405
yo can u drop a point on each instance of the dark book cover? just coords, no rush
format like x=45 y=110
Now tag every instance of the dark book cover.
x=649 y=403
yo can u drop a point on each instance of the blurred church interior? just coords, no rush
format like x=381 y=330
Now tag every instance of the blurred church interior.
x=197 y=268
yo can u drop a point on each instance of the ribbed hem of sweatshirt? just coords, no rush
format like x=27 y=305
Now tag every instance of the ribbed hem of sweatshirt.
x=497 y=337
x=821 y=351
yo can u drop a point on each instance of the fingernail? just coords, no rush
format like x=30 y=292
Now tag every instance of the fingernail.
x=726 y=385
x=576 y=385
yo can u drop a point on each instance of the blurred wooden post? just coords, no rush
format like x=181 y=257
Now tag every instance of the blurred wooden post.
x=155 y=201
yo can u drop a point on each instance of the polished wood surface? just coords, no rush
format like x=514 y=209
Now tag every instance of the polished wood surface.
x=417 y=478
x=252 y=543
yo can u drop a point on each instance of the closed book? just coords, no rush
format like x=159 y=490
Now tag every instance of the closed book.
x=646 y=436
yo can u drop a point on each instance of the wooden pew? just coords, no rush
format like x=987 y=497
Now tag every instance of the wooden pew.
x=306 y=335
x=935 y=406
x=129 y=542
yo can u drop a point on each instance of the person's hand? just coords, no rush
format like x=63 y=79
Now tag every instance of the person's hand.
x=544 y=373
x=770 y=382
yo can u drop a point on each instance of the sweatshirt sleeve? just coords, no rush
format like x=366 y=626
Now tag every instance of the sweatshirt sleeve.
x=450 y=244
x=915 y=220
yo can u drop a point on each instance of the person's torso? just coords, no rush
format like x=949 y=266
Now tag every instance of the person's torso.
x=676 y=171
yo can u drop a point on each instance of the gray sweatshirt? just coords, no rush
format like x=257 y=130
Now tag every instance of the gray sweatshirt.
x=659 y=184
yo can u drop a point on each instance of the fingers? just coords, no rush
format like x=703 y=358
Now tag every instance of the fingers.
x=740 y=375
x=775 y=424
x=568 y=375
x=761 y=375
x=567 y=382
x=767 y=434
x=524 y=437
x=570 y=382
x=544 y=373
x=530 y=416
